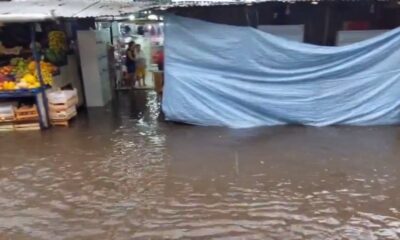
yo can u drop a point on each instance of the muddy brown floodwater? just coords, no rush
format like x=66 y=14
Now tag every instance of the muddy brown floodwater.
x=121 y=173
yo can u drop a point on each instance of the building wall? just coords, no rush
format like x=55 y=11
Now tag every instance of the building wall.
x=322 y=21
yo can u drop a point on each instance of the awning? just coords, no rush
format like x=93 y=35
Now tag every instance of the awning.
x=38 y=10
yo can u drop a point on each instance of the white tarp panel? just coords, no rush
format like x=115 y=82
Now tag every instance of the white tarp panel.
x=290 y=32
x=222 y=75
x=348 y=37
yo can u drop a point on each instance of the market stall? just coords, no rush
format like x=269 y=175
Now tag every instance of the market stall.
x=35 y=61
x=24 y=78
x=33 y=64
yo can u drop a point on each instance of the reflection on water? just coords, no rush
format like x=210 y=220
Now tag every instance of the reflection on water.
x=120 y=173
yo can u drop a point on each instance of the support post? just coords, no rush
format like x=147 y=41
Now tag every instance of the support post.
x=41 y=98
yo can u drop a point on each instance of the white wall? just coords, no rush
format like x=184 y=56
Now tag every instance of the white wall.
x=291 y=32
x=348 y=37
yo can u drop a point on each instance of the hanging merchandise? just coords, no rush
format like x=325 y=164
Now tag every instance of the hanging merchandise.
x=56 y=52
x=57 y=41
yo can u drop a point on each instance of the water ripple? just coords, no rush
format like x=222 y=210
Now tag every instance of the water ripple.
x=123 y=174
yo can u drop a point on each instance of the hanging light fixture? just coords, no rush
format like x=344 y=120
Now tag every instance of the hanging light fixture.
x=152 y=17
x=314 y=2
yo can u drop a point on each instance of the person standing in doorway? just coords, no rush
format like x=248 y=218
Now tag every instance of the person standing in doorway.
x=131 y=63
x=140 y=66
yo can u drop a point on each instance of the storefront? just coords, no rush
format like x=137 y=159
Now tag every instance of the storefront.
x=145 y=29
x=31 y=56
x=44 y=71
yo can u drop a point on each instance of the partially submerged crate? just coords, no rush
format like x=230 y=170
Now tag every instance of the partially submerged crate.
x=26 y=126
x=62 y=123
x=62 y=106
x=62 y=99
x=63 y=114
x=6 y=126
x=7 y=114
x=26 y=118
x=62 y=117
x=26 y=113
x=7 y=118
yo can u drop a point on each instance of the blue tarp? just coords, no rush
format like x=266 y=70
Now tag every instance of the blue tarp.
x=220 y=75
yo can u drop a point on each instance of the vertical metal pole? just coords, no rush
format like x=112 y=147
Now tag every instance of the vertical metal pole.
x=246 y=12
x=41 y=98
x=327 y=23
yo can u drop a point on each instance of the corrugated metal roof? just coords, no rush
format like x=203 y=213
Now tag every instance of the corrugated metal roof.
x=32 y=10
x=188 y=3
x=36 y=10
x=184 y=3
x=106 y=9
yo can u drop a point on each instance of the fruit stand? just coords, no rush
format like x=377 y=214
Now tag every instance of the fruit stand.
x=26 y=78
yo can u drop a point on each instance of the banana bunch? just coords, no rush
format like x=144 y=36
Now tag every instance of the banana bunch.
x=47 y=70
x=57 y=41
x=46 y=76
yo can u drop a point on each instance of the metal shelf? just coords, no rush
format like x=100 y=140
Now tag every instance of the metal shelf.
x=20 y=93
x=40 y=98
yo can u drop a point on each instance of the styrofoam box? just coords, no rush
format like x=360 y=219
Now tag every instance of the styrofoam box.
x=7 y=108
x=61 y=96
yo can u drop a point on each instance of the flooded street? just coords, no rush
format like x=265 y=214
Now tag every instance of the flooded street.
x=121 y=173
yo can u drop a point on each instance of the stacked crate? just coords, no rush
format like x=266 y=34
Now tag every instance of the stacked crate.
x=26 y=118
x=62 y=106
x=7 y=116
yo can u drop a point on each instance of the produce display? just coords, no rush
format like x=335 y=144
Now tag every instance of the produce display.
x=19 y=67
x=23 y=74
x=6 y=70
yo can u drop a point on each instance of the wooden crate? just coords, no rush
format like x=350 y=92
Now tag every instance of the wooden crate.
x=7 y=118
x=6 y=127
x=63 y=106
x=63 y=114
x=26 y=113
x=27 y=126
x=62 y=118
x=62 y=123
